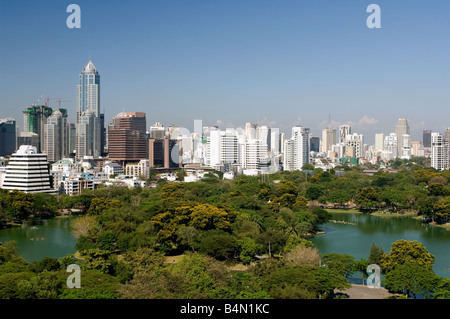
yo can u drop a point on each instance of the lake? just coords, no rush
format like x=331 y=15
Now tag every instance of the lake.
x=356 y=238
x=48 y=237
x=53 y=237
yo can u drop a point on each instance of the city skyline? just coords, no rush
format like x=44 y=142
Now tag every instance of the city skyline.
x=278 y=64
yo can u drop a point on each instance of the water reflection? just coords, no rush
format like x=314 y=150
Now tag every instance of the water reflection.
x=355 y=240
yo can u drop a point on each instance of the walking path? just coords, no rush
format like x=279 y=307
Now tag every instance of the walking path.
x=364 y=292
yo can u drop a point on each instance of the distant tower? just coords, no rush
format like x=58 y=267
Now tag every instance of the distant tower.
x=55 y=136
x=34 y=119
x=88 y=103
x=439 y=152
x=401 y=129
x=127 y=137
x=344 y=130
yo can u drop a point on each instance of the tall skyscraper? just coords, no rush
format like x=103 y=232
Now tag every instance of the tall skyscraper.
x=127 y=137
x=55 y=135
x=88 y=104
x=401 y=129
x=7 y=136
x=439 y=152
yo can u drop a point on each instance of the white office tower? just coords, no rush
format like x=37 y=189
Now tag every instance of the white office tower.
x=390 y=147
x=28 y=171
x=379 y=142
x=223 y=148
x=55 y=137
x=252 y=154
x=406 y=147
x=401 y=129
x=344 y=131
x=297 y=149
x=250 y=131
x=354 y=145
x=263 y=134
x=439 y=152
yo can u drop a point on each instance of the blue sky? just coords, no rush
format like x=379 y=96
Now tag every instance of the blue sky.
x=277 y=62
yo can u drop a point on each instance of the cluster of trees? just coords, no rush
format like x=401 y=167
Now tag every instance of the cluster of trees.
x=410 y=188
x=128 y=239
x=16 y=206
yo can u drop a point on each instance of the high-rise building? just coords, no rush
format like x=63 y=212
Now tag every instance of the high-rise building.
x=379 y=142
x=157 y=131
x=71 y=138
x=28 y=138
x=297 y=149
x=390 y=146
x=34 y=119
x=127 y=137
x=354 y=145
x=223 y=148
x=328 y=139
x=28 y=171
x=7 y=136
x=439 y=152
x=426 y=140
x=344 y=130
x=315 y=144
x=406 y=147
x=164 y=153
x=85 y=135
x=55 y=135
x=401 y=129
x=447 y=134
x=252 y=153
x=263 y=134
x=88 y=104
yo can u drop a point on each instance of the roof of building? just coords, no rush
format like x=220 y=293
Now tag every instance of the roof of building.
x=90 y=67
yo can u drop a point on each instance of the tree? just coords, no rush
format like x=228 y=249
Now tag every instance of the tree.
x=367 y=198
x=376 y=254
x=208 y=217
x=442 y=290
x=403 y=252
x=442 y=210
x=187 y=236
x=248 y=249
x=272 y=240
x=411 y=279
x=99 y=205
x=342 y=264
x=314 y=191
x=218 y=244
x=303 y=256
x=19 y=204
x=83 y=225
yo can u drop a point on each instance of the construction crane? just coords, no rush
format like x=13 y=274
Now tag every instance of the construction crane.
x=58 y=100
